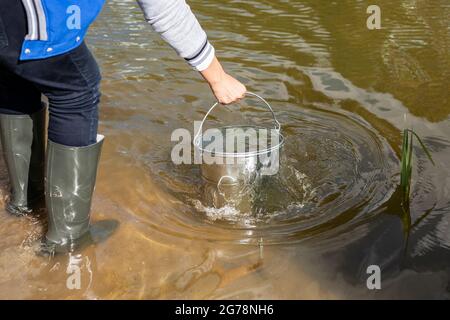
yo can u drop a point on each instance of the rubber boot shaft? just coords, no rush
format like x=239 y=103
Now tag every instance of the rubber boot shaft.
x=71 y=175
x=23 y=148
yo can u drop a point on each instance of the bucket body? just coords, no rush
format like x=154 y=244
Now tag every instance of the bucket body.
x=234 y=156
x=240 y=170
x=242 y=160
x=236 y=196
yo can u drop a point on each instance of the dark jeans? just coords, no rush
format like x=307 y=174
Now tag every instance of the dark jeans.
x=70 y=81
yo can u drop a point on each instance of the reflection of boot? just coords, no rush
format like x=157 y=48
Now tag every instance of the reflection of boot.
x=23 y=143
x=71 y=174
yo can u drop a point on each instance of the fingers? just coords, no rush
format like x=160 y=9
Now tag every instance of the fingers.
x=229 y=90
x=237 y=92
x=231 y=98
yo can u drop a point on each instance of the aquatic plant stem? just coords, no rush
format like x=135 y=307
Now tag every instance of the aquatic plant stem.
x=406 y=164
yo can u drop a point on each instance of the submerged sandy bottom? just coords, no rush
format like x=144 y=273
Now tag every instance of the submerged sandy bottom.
x=136 y=263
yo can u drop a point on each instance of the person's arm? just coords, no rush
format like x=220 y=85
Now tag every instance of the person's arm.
x=177 y=25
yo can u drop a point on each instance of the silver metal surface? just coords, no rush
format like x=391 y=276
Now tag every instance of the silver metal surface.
x=232 y=168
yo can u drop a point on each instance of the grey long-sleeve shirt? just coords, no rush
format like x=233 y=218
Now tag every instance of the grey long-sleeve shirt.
x=177 y=25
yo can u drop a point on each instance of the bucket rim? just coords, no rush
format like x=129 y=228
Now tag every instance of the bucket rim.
x=278 y=146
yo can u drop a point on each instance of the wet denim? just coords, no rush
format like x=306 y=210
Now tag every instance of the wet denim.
x=70 y=81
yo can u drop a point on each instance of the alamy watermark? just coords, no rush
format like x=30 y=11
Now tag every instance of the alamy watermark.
x=74 y=272
x=373 y=282
x=227 y=146
x=73 y=22
x=374 y=20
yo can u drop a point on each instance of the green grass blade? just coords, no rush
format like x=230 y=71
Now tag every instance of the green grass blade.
x=405 y=176
x=406 y=163
x=425 y=149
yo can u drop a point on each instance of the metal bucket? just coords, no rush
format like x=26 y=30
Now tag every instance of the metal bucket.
x=245 y=161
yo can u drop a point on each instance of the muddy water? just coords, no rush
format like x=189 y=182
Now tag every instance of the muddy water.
x=343 y=95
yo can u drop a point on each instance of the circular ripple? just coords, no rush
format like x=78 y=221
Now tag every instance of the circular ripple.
x=335 y=172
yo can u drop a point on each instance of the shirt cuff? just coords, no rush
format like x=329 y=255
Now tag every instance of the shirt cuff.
x=203 y=58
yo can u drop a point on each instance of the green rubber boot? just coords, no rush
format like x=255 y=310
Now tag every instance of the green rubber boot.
x=71 y=175
x=23 y=146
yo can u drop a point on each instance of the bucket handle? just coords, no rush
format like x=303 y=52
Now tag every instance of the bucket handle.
x=277 y=124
